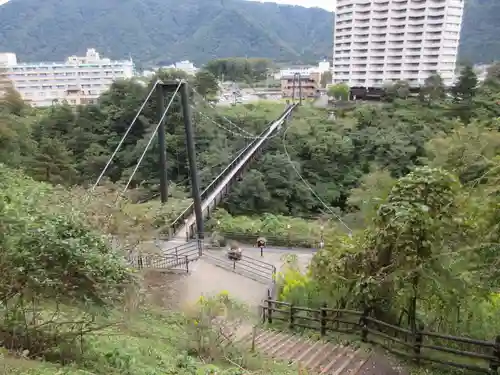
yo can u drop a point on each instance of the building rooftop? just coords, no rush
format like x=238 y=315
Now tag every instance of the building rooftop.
x=90 y=59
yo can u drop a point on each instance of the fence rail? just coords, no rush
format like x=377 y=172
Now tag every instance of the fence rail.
x=160 y=262
x=246 y=266
x=192 y=249
x=178 y=256
x=291 y=240
x=419 y=345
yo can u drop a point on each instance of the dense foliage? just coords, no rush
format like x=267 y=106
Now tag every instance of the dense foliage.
x=71 y=305
x=336 y=156
x=479 y=42
x=239 y=69
x=428 y=251
x=163 y=32
x=50 y=261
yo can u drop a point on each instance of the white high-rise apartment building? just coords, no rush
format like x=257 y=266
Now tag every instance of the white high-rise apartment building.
x=78 y=80
x=380 y=41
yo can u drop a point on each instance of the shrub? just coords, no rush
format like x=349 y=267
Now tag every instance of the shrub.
x=51 y=262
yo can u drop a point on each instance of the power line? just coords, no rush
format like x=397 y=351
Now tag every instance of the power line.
x=327 y=207
x=124 y=136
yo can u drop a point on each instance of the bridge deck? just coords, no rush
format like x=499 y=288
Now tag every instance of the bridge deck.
x=220 y=190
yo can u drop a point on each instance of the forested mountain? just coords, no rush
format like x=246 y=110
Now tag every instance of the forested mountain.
x=481 y=26
x=164 y=31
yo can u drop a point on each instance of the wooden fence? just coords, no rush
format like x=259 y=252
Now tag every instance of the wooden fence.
x=419 y=345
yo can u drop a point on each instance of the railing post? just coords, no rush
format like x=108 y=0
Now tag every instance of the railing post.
x=254 y=336
x=269 y=307
x=417 y=344
x=323 y=320
x=187 y=264
x=274 y=275
x=363 y=321
x=292 y=317
x=176 y=254
x=496 y=353
x=234 y=265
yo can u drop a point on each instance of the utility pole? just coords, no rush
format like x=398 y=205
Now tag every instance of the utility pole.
x=160 y=90
x=297 y=78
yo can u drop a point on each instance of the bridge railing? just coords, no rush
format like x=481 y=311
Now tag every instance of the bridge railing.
x=246 y=266
x=179 y=221
x=192 y=249
x=179 y=256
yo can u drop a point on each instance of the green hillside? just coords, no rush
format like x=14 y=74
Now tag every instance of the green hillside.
x=164 y=31
x=155 y=31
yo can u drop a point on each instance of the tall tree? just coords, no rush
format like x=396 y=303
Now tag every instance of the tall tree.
x=53 y=163
x=205 y=83
x=463 y=93
x=339 y=91
x=433 y=89
x=397 y=90
x=326 y=78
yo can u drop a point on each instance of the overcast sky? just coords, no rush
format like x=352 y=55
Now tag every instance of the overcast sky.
x=326 y=4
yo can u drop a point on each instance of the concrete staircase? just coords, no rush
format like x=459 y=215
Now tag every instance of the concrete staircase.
x=317 y=356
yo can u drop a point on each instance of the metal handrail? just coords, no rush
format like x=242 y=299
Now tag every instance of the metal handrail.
x=217 y=179
x=221 y=175
x=267 y=272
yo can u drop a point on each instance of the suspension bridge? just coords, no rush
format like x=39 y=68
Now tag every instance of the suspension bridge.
x=253 y=277
x=180 y=250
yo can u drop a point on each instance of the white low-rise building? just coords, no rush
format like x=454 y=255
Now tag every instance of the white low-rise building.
x=186 y=66
x=322 y=67
x=78 y=80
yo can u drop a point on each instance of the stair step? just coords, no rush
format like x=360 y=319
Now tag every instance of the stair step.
x=335 y=358
x=298 y=348
x=342 y=363
x=260 y=337
x=272 y=341
x=359 y=366
x=316 y=355
x=315 y=360
x=267 y=348
x=308 y=352
x=283 y=345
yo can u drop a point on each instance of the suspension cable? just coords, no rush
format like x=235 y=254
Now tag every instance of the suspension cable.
x=225 y=118
x=124 y=136
x=328 y=208
x=151 y=138
x=229 y=130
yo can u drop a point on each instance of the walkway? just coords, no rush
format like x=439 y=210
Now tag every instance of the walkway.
x=207 y=279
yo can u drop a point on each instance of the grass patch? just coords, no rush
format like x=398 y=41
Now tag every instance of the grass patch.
x=148 y=342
